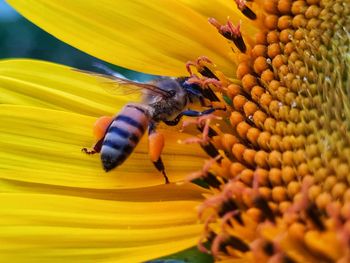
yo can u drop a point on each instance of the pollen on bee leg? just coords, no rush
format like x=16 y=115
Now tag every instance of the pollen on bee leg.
x=155 y=148
x=101 y=125
x=99 y=130
x=156 y=145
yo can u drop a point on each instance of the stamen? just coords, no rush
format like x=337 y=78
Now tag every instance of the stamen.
x=211 y=150
x=315 y=216
x=213 y=181
x=262 y=204
x=221 y=241
x=203 y=124
x=205 y=170
x=241 y=4
x=226 y=217
x=227 y=206
x=218 y=244
x=204 y=83
x=202 y=65
x=230 y=32
x=200 y=244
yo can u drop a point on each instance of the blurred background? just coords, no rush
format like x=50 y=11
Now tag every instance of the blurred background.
x=19 y=38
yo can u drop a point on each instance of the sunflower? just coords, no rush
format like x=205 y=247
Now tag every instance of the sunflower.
x=276 y=180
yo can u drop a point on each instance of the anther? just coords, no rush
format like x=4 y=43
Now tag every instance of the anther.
x=203 y=82
x=211 y=180
x=203 y=86
x=230 y=32
x=203 y=125
x=211 y=150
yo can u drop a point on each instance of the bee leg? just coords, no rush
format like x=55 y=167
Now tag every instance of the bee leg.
x=95 y=149
x=156 y=145
x=160 y=167
x=175 y=121
x=100 y=128
x=193 y=113
x=190 y=113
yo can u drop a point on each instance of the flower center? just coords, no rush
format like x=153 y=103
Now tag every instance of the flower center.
x=280 y=188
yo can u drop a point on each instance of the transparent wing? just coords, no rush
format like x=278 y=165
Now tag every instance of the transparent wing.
x=119 y=85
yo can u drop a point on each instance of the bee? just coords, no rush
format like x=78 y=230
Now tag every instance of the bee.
x=164 y=100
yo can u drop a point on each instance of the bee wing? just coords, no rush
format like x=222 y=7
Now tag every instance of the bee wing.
x=125 y=86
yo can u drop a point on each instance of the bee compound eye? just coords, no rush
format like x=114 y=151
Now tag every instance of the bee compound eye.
x=172 y=93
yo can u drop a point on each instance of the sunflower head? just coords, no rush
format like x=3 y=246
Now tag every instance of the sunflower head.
x=274 y=81
x=284 y=173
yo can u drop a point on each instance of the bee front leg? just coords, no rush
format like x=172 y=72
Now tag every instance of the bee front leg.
x=156 y=145
x=190 y=113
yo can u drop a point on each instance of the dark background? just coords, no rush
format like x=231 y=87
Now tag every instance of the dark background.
x=19 y=38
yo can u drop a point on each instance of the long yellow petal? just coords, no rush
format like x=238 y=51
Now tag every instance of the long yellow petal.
x=53 y=86
x=47 y=227
x=155 y=37
x=44 y=146
x=220 y=10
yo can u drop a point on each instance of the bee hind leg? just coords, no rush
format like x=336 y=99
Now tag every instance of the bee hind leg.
x=160 y=167
x=156 y=145
x=100 y=128
x=94 y=149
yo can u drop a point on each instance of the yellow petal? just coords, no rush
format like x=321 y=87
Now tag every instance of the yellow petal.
x=44 y=146
x=47 y=227
x=155 y=37
x=53 y=86
x=318 y=242
x=220 y=10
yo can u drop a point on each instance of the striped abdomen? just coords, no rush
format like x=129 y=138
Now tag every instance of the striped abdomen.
x=123 y=135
